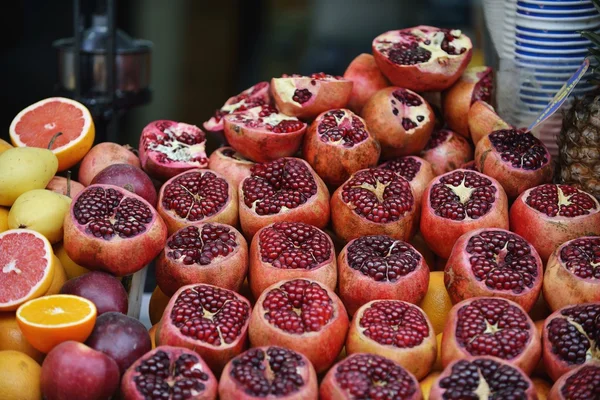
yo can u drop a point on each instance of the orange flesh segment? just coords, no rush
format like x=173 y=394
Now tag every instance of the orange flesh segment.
x=56 y=310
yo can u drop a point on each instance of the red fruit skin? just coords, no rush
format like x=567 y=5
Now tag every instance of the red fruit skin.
x=367 y=78
x=556 y=391
x=454 y=152
x=235 y=169
x=128 y=177
x=104 y=290
x=119 y=256
x=101 y=156
x=59 y=185
x=483 y=120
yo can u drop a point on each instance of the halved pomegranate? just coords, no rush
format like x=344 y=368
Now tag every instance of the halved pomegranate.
x=483 y=378
x=489 y=326
x=210 y=320
x=573 y=273
x=374 y=202
x=483 y=120
x=338 y=144
x=289 y=250
x=227 y=162
x=423 y=58
x=269 y=372
x=582 y=383
x=496 y=263
x=380 y=267
x=447 y=151
x=549 y=215
x=168 y=148
x=417 y=171
x=108 y=228
x=308 y=96
x=369 y=376
x=476 y=83
x=397 y=330
x=264 y=134
x=196 y=197
x=571 y=338
x=367 y=78
x=211 y=253
x=282 y=190
x=458 y=202
x=401 y=120
x=169 y=373
x=302 y=315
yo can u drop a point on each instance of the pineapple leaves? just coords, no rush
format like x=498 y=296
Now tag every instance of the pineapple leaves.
x=596 y=4
x=592 y=36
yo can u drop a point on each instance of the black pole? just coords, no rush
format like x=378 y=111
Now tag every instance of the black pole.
x=110 y=69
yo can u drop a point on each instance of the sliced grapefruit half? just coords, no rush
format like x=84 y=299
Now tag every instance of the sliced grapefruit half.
x=36 y=125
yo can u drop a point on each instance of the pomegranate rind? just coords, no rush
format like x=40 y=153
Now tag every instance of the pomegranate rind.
x=321 y=347
x=417 y=360
x=101 y=156
x=235 y=169
x=592 y=387
x=483 y=120
x=118 y=256
x=449 y=155
x=367 y=78
x=421 y=179
x=227 y=272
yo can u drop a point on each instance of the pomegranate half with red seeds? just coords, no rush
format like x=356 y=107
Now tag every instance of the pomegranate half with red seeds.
x=369 y=376
x=401 y=120
x=367 y=78
x=227 y=162
x=196 y=197
x=168 y=148
x=417 y=171
x=169 y=372
x=490 y=326
x=338 y=144
x=495 y=263
x=572 y=274
x=571 y=338
x=380 y=267
x=482 y=378
x=397 y=330
x=582 y=383
x=483 y=120
x=302 y=315
x=374 y=202
x=447 y=151
x=210 y=320
x=290 y=250
x=549 y=215
x=306 y=97
x=475 y=84
x=458 y=202
x=287 y=189
x=269 y=372
x=423 y=58
x=110 y=229
x=264 y=134
x=211 y=253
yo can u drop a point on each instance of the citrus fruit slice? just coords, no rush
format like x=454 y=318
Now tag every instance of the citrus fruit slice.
x=51 y=320
x=26 y=267
x=20 y=377
x=60 y=278
x=36 y=125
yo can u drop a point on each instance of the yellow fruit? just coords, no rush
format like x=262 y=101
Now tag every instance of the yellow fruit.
x=20 y=376
x=427 y=383
x=72 y=269
x=4 y=145
x=60 y=277
x=11 y=337
x=157 y=305
x=438 y=361
x=542 y=388
x=24 y=169
x=3 y=219
x=437 y=303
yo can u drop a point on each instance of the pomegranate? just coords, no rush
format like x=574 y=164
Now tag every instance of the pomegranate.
x=570 y=338
x=308 y=96
x=482 y=378
x=282 y=190
x=289 y=250
x=254 y=96
x=302 y=315
x=423 y=58
x=101 y=156
x=227 y=162
x=111 y=229
x=549 y=215
x=196 y=197
x=380 y=267
x=65 y=186
x=207 y=319
x=458 y=202
x=369 y=376
x=476 y=84
x=447 y=151
x=397 y=330
x=128 y=177
x=338 y=144
x=367 y=80
x=168 y=148
x=469 y=165
x=489 y=326
x=417 y=171
x=582 y=383
x=269 y=372
x=211 y=253
x=483 y=120
x=169 y=373
x=401 y=120
x=374 y=201
x=573 y=273
x=264 y=134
